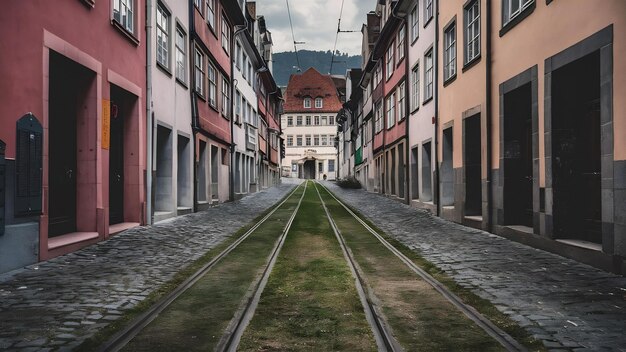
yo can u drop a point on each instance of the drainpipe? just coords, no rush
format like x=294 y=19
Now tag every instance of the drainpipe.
x=149 y=113
x=488 y=120
x=231 y=108
x=195 y=125
x=436 y=94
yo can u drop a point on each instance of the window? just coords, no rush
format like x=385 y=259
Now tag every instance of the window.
x=391 y=110
x=290 y=141
x=225 y=96
x=415 y=87
x=307 y=140
x=289 y=120
x=324 y=140
x=238 y=54
x=319 y=103
x=331 y=120
x=225 y=35
x=472 y=31
x=428 y=10
x=316 y=139
x=512 y=8
x=210 y=16
x=163 y=37
x=307 y=103
x=212 y=85
x=390 y=61
x=123 y=13
x=331 y=165
x=316 y=120
x=428 y=75
x=401 y=37
x=307 y=120
x=237 y=105
x=243 y=67
x=181 y=55
x=415 y=22
x=299 y=140
x=249 y=71
x=378 y=75
x=324 y=121
x=299 y=121
x=198 y=4
x=449 y=53
x=401 y=93
x=199 y=73
x=378 y=117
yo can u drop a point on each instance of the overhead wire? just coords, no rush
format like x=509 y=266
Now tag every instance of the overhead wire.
x=293 y=36
x=332 y=57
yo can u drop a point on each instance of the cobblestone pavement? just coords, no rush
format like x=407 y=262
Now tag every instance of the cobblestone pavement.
x=56 y=305
x=566 y=304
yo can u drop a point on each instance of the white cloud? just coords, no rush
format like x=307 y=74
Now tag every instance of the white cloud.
x=315 y=22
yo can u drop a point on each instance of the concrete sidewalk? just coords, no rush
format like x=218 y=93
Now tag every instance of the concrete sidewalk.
x=59 y=303
x=566 y=304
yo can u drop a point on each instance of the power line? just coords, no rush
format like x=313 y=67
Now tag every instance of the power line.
x=295 y=48
x=332 y=58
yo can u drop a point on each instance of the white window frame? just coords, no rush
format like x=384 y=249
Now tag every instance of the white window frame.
x=415 y=87
x=225 y=36
x=324 y=121
x=316 y=120
x=378 y=117
x=124 y=14
x=401 y=103
x=299 y=121
x=319 y=103
x=210 y=16
x=299 y=140
x=181 y=55
x=225 y=96
x=307 y=120
x=428 y=10
x=324 y=140
x=390 y=60
x=307 y=140
x=401 y=42
x=289 y=120
x=199 y=73
x=449 y=51
x=212 y=77
x=331 y=120
x=316 y=140
x=471 y=15
x=415 y=23
x=307 y=103
x=163 y=36
x=290 y=141
x=509 y=14
x=391 y=110
x=428 y=75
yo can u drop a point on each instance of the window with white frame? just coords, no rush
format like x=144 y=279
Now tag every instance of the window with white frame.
x=319 y=103
x=316 y=139
x=238 y=111
x=299 y=121
x=401 y=43
x=225 y=96
x=238 y=53
x=244 y=111
x=331 y=120
x=290 y=141
x=512 y=8
x=212 y=85
x=472 y=31
x=324 y=121
x=198 y=4
x=401 y=107
x=331 y=165
x=289 y=120
x=428 y=75
x=307 y=140
x=391 y=110
x=181 y=55
x=307 y=103
x=324 y=140
x=449 y=52
x=299 y=140
x=249 y=72
x=124 y=14
x=378 y=117
x=316 y=120
x=378 y=75
x=428 y=11
x=210 y=16
x=390 y=60
x=199 y=73
x=307 y=120
x=225 y=36
x=244 y=61
x=415 y=23
x=163 y=37
x=415 y=87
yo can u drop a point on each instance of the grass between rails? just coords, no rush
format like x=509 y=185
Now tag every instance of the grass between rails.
x=310 y=302
x=106 y=333
x=485 y=307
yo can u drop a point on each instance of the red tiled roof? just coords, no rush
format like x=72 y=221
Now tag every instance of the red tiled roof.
x=311 y=84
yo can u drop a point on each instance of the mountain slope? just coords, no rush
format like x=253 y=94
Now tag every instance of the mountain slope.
x=284 y=63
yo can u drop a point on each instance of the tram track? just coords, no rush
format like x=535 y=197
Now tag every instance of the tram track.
x=504 y=339
x=119 y=340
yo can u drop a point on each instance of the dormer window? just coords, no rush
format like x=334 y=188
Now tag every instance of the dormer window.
x=319 y=103
x=307 y=103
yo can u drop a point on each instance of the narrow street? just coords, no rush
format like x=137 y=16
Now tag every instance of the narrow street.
x=309 y=300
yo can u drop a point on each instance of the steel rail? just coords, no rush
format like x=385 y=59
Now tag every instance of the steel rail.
x=230 y=340
x=506 y=340
x=382 y=332
x=123 y=337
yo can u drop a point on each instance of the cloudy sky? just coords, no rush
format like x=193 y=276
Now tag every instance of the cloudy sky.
x=315 y=22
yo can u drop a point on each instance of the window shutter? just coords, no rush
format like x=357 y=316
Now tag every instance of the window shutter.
x=28 y=166
x=2 y=185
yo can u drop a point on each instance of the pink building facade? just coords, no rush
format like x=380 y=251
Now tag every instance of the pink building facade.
x=81 y=141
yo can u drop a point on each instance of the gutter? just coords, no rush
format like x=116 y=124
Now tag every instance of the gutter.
x=436 y=94
x=195 y=125
x=488 y=216
x=231 y=108
x=149 y=113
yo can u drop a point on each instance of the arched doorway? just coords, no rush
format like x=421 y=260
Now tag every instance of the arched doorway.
x=308 y=170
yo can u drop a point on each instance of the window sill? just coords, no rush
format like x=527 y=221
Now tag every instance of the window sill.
x=471 y=63
x=428 y=21
x=202 y=97
x=130 y=36
x=449 y=80
x=517 y=19
x=427 y=100
x=164 y=69
x=415 y=40
x=90 y=3
x=399 y=62
x=415 y=110
x=182 y=83
x=213 y=106
x=199 y=10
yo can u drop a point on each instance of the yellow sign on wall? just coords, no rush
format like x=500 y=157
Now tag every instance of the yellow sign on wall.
x=106 y=124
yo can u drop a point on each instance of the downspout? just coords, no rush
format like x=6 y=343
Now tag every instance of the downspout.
x=149 y=113
x=195 y=125
x=488 y=121
x=231 y=109
x=436 y=94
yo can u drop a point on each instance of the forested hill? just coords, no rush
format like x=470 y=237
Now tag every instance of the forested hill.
x=284 y=63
